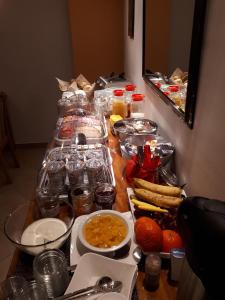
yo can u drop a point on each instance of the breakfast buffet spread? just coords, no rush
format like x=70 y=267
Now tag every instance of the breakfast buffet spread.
x=106 y=203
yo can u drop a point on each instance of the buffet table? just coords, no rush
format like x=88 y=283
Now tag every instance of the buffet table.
x=22 y=263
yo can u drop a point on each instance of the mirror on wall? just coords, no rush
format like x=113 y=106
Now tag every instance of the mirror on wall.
x=172 y=42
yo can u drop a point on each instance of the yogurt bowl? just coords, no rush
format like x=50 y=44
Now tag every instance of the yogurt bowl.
x=31 y=233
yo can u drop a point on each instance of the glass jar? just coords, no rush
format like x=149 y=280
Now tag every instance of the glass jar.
x=137 y=106
x=119 y=105
x=104 y=196
x=82 y=200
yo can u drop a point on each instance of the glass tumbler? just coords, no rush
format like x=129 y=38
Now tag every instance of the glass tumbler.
x=82 y=199
x=75 y=170
x=95 y=171
x=104 y=196
x=15 y=288
x=36 y=291
x=50 y=269
x=48 y=203
x=57 y=175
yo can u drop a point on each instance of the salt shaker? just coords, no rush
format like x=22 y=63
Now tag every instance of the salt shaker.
x=152 y=271
x=177 y=259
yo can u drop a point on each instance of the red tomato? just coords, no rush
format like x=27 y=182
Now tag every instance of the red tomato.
x=171 y=239
x=148 y=234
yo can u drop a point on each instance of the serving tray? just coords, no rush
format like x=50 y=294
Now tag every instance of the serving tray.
x=83 y=152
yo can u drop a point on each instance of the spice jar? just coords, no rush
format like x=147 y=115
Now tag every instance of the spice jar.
x=119 y=105
x=137 y=106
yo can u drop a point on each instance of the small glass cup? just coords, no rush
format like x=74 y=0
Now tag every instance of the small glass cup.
x=14 y=287
x=104 y=196
x=152 y=271
x=47 y=202
x=37 y=291
x=50 y=269
x=95 y=171
x=82 y=200
x=57 y=175
x=75 y=169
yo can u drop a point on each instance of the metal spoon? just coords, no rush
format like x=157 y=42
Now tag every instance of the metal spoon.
x=103 y=285
x=137 y=254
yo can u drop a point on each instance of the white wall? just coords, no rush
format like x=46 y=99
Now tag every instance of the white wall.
x=199 y=152
x=35 y=47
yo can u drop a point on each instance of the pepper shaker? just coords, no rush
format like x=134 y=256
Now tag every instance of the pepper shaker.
x=153 y=264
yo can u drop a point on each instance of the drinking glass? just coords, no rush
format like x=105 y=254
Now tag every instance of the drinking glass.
x=75 y=169
x=104 y=196
x=14 y=288
x=82 y=200
x=50 y=269
x=36 y=291
x=95 y=171
x=48 y=203
x=57 y=175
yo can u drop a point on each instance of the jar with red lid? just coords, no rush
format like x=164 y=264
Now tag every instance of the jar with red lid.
x=137 y=106
x=119 y=104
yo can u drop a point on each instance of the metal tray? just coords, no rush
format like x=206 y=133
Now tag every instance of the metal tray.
x=134 y=126
x=158 y=144
x=85 y=152
x=90 y=140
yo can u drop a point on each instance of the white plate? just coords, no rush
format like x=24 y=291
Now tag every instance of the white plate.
x=77 y=250
x=92 y=266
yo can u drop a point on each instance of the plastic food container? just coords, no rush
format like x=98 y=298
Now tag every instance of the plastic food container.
x=92 y=127
x=119 y=105
x=137 y=106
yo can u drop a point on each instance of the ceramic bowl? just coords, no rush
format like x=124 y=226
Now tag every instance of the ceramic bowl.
x=112 y=249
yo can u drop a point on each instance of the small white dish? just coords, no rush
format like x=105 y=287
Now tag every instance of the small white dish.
x=93 y=266
x=77 y=249
x=112 y=296
x=110 y=250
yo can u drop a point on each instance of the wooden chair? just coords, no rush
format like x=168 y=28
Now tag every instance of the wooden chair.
x=6 y=138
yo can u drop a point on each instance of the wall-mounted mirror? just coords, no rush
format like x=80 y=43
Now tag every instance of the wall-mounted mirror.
x=172 y=42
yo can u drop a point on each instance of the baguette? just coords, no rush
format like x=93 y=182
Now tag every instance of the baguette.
x=147 y=206
x=157 y=199
x=157 y=188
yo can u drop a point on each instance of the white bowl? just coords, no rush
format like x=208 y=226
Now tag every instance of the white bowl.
x=92 y=266
x=104 y=250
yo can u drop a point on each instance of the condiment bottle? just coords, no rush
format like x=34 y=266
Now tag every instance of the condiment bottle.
x=137 y=106
x=129 y=91
x=119 y=105
x=152 y=271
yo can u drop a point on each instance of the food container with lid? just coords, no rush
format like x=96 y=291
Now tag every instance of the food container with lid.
x=137 y=106
x=119 y=105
